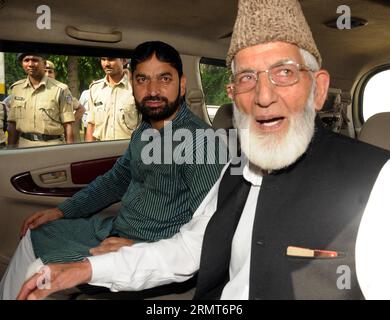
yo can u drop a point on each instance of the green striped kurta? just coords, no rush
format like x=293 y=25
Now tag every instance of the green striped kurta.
x=156 y=199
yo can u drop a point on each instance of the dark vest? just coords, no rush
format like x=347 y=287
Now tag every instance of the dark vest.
x=315 y=203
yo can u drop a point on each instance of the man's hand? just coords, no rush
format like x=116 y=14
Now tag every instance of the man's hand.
x=68 y=130
x=79 y=112
x=39 y=218
x=55 y=277
x=111 y=244
x=89 y=134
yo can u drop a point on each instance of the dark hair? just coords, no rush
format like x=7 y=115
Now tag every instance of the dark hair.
x=163 y=51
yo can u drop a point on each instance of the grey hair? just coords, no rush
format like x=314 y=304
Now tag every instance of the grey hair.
x=232 y=66
x=309 y=59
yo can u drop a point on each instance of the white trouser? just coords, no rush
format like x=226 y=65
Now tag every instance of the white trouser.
x=22 y=266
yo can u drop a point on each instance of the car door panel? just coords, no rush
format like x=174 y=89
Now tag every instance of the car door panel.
x=34 y=179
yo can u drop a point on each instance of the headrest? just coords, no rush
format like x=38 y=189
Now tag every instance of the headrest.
x=223 y=118
x=376 y=130
x=194 y=95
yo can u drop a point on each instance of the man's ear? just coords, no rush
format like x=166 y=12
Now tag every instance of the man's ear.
x=229 y=91
x=183 y=82
x=322 y=79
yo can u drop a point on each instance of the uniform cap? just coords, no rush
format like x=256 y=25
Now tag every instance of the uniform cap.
x=262 y=21
x=49 y=65
x=20 y=56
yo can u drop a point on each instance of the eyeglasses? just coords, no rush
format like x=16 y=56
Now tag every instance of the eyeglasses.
x=281 y=74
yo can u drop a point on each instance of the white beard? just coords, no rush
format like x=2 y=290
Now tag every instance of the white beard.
x=274 y=151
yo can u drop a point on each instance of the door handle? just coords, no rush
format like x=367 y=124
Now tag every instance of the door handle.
x=53 y=177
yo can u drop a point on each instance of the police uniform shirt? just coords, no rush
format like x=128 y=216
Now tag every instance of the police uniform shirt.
x=2 y=123
x=43 y=110
x=112 y=109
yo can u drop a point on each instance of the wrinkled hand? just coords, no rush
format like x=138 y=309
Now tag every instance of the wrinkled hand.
x=111 y=244
x=39 y=218
x=55 y=277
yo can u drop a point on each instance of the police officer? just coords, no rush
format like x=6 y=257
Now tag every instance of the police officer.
x=112 y=112
x=41 y=110
x=3 y=117
x=77 y=106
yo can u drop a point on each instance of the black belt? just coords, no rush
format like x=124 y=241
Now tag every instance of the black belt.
x=39 y=137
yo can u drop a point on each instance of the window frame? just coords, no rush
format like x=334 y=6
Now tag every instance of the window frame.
x=213 y=62
x=361 y=88
x=10 y=46
x=63 y=49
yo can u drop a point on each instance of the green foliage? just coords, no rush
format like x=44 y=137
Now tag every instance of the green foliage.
x=61 y=67
x=13 y=69
x=214 y=81
x=89 y=70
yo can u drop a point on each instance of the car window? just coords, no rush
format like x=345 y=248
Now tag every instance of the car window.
x=40 y=117
x=215 y=76
x=376 y=95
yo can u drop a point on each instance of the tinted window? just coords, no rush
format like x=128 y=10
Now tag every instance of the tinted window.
x=77 y=73
x=376 y=95
x=214 y=77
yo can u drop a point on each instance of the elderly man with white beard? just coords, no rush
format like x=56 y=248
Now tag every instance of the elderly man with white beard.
x=307 y=216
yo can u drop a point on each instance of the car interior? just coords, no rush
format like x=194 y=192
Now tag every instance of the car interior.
x=352 y=36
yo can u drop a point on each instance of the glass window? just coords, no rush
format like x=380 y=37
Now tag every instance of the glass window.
x=215 y=76
x=376 y=96
x=41 y=115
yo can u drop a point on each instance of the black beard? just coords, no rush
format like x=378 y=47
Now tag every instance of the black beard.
x=157 y=114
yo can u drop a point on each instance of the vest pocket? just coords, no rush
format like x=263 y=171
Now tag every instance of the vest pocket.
x=20 y=110
x=100 y=114
x=49 y=112
x=129 y=117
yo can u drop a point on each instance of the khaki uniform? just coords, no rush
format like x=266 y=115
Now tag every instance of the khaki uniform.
x=112 y=109
x=2 y=120
x=43 y=110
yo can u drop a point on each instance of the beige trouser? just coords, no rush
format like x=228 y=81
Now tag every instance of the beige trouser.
x=25 y=143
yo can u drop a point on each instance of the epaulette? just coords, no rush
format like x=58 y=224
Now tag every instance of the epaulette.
x=57 y=83
x=96 y=82
x=17 y=82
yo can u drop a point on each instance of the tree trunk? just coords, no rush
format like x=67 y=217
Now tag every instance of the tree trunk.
x=73 y=83
x=73 y=77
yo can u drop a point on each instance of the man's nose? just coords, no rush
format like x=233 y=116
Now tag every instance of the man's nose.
x=106 y=63
x=265 y=91
x=154 y=87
